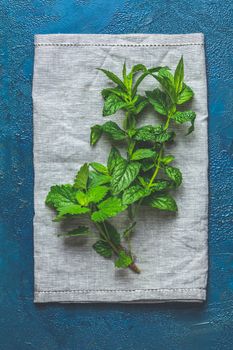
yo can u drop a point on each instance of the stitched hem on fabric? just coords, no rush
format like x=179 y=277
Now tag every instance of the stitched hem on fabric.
x=118 y=40
x=117 y=290
x=122 y=296
x=112 y=45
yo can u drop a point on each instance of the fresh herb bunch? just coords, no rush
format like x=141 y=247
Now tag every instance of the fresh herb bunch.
x=144 y=176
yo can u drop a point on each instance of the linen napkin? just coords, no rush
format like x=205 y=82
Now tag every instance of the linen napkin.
x=171 y=250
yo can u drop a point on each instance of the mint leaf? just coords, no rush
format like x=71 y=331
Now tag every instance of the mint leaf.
x=113 y=130
x=163 y=202
x=113 y=158
x=185 y=95
x=96 y=194
x=82 y=198
x=138 y=82
x=147 y=164
x=160 y=185
x=183 y=117
x=100 y=168
x=81 y=178
x=116 y=91
x=139 y=67
x=103 y=248
x=112 y=232
x=96 y=132
x=70 y=209
x=167 y=159
x=174 y=174
x=179 y=76
x=166 y=79
x=107 y=209
x=124 y=72
x=142 y=102
x=148 y=133
x=133 y=194
x=112 y=104
x=123 y=260
x=164 y=136
x=114 y=78
x=60 y=195
x=142 y=154
x=123 y=175
x=97 y=179
x=78 y=232
x=159 y=100
x=129 y=230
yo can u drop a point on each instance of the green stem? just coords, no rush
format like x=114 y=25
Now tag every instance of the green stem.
x=106 y=238
x=157 y=168
x=116 y=250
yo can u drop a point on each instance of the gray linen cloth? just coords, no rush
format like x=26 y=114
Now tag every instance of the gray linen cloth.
x=171 y=249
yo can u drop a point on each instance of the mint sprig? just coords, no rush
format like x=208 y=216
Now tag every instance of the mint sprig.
x=144 y=176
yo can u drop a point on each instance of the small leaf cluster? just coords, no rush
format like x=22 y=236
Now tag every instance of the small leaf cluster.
x=143 y=175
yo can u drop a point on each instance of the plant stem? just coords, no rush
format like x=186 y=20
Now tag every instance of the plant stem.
x=155 y=172
x=157 y=168
x=116 y=249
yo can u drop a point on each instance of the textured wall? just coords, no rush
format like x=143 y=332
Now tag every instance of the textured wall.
x=24 y=325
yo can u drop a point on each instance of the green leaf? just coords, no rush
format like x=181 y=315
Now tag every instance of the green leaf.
x=112 y=232
x=113 y=158
x=174 y=174
x=138 y=82
x=123 y=260
x=133 y=194
x=82 y=198
x=112 y=104
x=165 y=136
x=124 y=72
x=60 y=196
x=103 y=248
x=159 y=100
x=183 y=117
x=97 y=179
x=107 y=209
x=113 y=130
x=148 y=133
x=123 y=175
x=96 y=132
x=163 y=202
x=81 y=178
x=96 y=194
x=70 y=209
x=185 y=95
x=167 y=81
x=129 y=230
x=100 y=168
x=138 y=67
x=78 y=232
x=129 y=78
x=167 y=159
x=147 y=164
x=141 y=104
x=160 y=185
x=142 y=181
x=114 y=78
x=116 y=91
x=142 y=154
x=179 y=76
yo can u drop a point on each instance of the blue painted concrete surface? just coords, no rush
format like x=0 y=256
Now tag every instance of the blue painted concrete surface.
x=24 y=325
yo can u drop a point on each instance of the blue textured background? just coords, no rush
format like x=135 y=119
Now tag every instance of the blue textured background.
x=24 y=325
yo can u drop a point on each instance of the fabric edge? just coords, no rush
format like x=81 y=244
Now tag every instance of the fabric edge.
x=141 y=296
x=119 y=39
